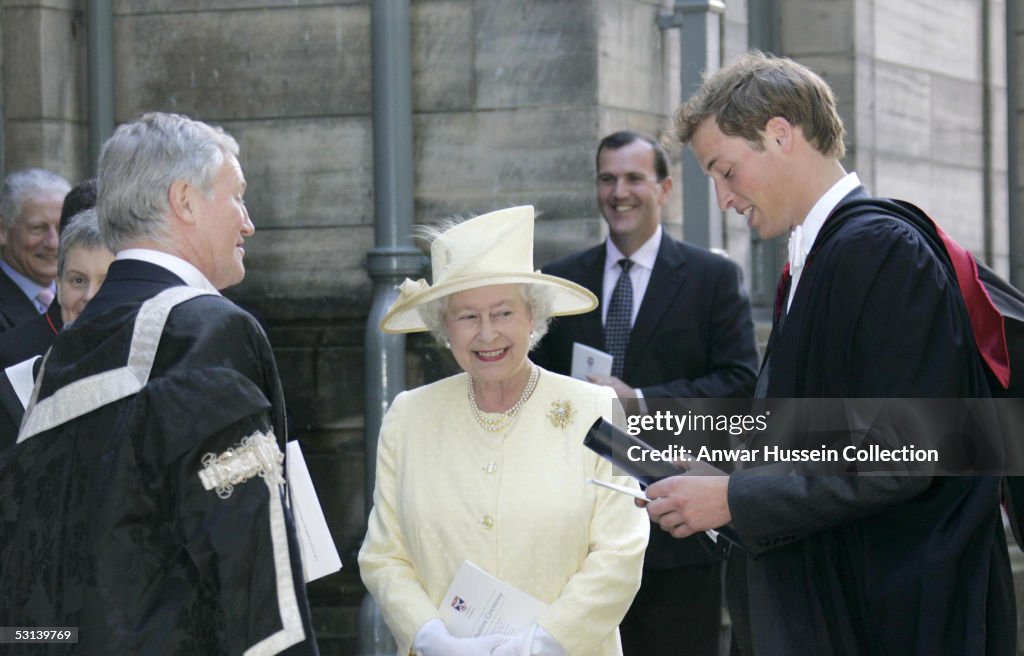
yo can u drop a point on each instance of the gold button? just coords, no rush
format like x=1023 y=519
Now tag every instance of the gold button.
x=491 y=467
x=487 y=521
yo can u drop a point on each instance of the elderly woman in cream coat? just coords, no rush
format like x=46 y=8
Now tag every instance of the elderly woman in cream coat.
x=489 y=465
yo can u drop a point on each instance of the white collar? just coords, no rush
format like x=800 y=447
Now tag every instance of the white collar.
x=185 y=270
x=803 y=235
x=645 y=256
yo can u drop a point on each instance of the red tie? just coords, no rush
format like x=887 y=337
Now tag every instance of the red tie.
x=781 y=292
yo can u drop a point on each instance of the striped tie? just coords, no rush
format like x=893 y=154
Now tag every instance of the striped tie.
x=620 y=317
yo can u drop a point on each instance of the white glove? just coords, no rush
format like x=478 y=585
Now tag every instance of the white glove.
x=433 y=639
x=535 y=642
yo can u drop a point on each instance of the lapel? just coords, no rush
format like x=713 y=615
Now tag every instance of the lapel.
x=17 y=307
x=666 y=281
x=592 y=277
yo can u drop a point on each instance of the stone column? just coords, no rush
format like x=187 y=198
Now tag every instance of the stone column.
x=43 y=86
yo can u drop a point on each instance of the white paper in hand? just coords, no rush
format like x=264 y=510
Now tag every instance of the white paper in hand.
x=588 y=361
x=478 y=604
x=319 y=555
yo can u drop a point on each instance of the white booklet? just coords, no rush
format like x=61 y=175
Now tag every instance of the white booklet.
x=316 y=546
x=589 y=361
x=478 y=604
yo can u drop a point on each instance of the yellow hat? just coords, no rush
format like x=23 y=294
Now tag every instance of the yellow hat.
x=491 y=249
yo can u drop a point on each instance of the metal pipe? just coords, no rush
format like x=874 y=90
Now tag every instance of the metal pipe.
x=393 y=256
x=987 y=136
x=699 y=51
x=1013 y=114
x=100 y=48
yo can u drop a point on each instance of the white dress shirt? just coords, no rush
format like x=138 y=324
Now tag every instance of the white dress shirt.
x=802 y=237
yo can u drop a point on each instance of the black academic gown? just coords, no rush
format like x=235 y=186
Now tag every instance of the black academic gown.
x=106 y=523
x=15 y=307
x=884 y=564
x=31 y=338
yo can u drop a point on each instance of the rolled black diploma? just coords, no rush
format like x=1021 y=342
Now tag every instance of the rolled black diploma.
x=613 y=444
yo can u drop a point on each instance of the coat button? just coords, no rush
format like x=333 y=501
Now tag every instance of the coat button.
x=491 y=467
x=487 y=521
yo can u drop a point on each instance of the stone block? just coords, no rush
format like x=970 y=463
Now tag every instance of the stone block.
x=737 y=11
x=44 y=63
x=557 y=238
x=305 y=173
x=470 y=163
x=59 y=146
x=297 y=367
x=636 y=59
x=957 y=122
x=957 y=202
x=903 y=104
x=842 y=74
x=735 y=37
x=613 y=119
x=902 y=177
x=816 y=27
x=60 y=5
x=308 y=264
x=340 y=387
x=535 y=52
x=271 y=63
x=443 y=55
x=915 y=33
x=167 y=6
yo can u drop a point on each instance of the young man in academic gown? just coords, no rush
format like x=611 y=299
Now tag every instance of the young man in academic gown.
x=690 y=335
x=145 y=502
x=831 y=564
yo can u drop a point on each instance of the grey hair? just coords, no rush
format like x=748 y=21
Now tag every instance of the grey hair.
x=140 y=162
x=538 y=300
x=82 y=231
x=21 y=185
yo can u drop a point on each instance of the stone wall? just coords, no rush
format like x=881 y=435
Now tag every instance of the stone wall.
x=43 y=90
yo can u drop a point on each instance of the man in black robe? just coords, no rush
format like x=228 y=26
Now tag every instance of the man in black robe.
x=145 y=502
x=841 y=564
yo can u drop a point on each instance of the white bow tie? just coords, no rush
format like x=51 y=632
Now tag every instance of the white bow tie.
x=797 y=255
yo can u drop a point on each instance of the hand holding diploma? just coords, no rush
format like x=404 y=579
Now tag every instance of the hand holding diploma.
x=685 y=505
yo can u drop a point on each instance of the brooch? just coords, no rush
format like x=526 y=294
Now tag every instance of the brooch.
x=561 y=414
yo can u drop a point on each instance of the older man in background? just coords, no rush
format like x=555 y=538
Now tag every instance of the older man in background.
x=30 y=205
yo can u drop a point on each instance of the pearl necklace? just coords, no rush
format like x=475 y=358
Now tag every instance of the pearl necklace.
x=504 y=418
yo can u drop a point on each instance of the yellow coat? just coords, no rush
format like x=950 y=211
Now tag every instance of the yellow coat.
x=514 y=502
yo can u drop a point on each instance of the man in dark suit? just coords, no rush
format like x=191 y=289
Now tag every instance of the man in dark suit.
x=158 y=420
x=684 y=331
x=867 y=309
x=30 y=206
x=36 y=335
